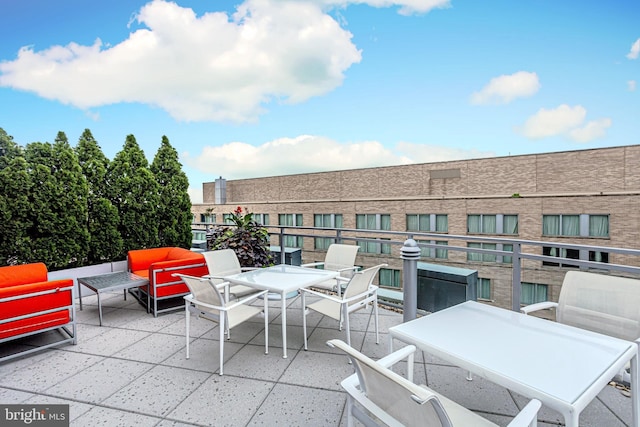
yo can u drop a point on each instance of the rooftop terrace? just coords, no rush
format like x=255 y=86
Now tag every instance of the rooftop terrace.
x=133 y=371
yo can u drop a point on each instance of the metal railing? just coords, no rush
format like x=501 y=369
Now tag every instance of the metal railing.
x=522 y=251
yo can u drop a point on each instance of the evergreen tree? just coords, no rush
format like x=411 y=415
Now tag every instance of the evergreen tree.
x=15 y=213
x=8 y=149
x=174 y=209
x=135 y=195
x=105 y=242
x=59 y=204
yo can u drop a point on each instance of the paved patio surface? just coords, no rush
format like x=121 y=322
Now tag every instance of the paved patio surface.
x=132 y=371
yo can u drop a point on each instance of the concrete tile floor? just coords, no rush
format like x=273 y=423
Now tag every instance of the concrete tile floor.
x=132 y=371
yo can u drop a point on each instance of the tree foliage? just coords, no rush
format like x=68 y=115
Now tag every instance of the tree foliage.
x=174 y=208
x=105 y=242
x=135 y=195
x=15 y=213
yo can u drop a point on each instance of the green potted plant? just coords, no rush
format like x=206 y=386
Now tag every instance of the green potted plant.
x=248 y=239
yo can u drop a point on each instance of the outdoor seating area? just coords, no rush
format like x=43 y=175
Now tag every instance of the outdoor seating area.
x=133 y=371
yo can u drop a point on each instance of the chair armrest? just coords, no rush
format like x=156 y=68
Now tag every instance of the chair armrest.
x=355 y=267
x=397 y=356
x=246 y=299
x=248 y=268
x=372 y=289
x=320 y=294
x=528 y=416
x=312 y=264
x=538 y=306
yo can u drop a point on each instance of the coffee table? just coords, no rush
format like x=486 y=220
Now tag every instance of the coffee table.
x=110 y=282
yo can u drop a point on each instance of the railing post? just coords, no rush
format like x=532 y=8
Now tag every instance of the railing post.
x=283 y=255
x=410 y=253
x=516 y=285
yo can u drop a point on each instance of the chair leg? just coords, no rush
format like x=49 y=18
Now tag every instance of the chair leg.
x=266 y=324
x=375 y=313
x=187 y=322
x=345 y=316
x=221 y=335
x=304 y=319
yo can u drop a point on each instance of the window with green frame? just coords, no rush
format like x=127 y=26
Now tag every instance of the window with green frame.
x=532 y=293
x=208 y=218
x=434 y=252
x=326 y=221
x=291 y=220
x=483 y=289
x=428 y=222
x=492 y=224
x=374 y=222
x=583 y=225
x=482 y=257
x=389 y=278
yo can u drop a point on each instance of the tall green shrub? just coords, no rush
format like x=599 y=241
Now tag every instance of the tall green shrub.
x=135 y=195
x=15 y=213
x=105 y=242
x=174 y=209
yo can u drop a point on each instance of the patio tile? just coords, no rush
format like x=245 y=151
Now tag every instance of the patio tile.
x=223 y=401
x=317 y=340
x=300 y=406
x=251 y=362
x=153 y=348
x=56 y=367
x=98 y=382
x=197 y=327
x=203 y=355
x=9 y=396
x=158 y=391
x=100 y=416
x=295 y=340
x=304 y=371
x=110 y=342
x=76 y=409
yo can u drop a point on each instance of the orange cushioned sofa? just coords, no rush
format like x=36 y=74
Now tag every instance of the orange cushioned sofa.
x=31 y=304
x=159 y=265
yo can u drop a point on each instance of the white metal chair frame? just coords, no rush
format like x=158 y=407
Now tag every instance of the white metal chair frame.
x=222 y=263
x=397 y=401
x=220 y=313
x=360 y=292
x=340 y=258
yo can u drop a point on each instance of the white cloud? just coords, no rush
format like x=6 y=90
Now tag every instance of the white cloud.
x=592 y=130
x=564 y=121
x=407 y=7
x=211 y=67
x=506 y=88
x=308 y=153
x=635 y=50
x=631 y=85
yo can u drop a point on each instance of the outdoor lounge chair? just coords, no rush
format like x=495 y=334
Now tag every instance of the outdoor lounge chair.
x=206 y=301
x=340 y=258
x=360 y=291
x=606 y=304
x=397 y=401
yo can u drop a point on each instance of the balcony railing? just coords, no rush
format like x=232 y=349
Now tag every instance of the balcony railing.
x=524 y=254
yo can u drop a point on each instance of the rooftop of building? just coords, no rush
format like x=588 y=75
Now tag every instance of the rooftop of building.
x=133 y=371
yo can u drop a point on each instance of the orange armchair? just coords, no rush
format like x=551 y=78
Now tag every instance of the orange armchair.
x=159 y=265
x=31 y=304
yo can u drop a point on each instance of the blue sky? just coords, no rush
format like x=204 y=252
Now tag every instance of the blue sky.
x=273 y=87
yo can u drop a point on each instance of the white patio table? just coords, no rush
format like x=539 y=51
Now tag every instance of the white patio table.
x=282 y=279
x=562 y=366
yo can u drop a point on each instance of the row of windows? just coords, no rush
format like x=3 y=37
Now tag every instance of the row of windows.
x=583 y=225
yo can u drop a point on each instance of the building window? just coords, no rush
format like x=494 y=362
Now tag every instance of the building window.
x=582 y=225
x=389 y=278
x=326 y=221
x=553 y=251
x=208 y=218
x=492 y=224
x=434 y=252
x=291 y=220
x=532 y=293
x=483 y=257
x=484 y=289
x=428 y=223
x=262 y=219
x=374 y=222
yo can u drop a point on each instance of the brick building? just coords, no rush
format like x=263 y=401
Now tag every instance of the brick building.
x=588 y=197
